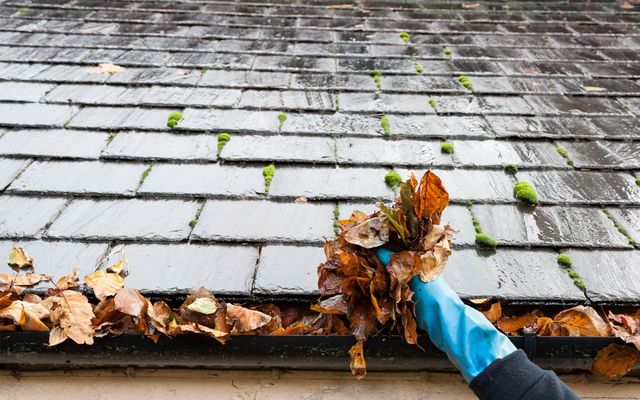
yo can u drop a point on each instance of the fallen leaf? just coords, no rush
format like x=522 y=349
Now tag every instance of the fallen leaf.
x=470 y=5
x=615 y=361
x=432 y=198
x=340 y=6
x=245 y=320
x=581 y=321
x=493 y=313
x=433 y=261
x=627 y=6
x=71 y=315
x=333 y=305
x=595 y=89
x=106 y=68
x=625 y=327
x=358 y=364
x=511 y=325
x=18 y=258
x=69 y=281
x=104 y=284
x=204 y=305
x=28 y=279
x=371 y=233
x=131 y=302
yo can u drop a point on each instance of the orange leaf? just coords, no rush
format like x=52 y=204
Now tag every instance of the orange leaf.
x=514 y=324
x=104 y=284
x=493 y=313
x=615 y=360
x=432 y=198
x=71 y=314
x=581 y=321
x=358 y=364
x=27 y=279
x=245 y=320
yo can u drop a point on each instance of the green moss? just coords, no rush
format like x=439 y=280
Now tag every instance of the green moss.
x=474 y=220
x=336 y=217
x=525 y=192
x=386 y=128
x=393 y=179
x=223 y=138
x=405 y=37
x=268 y=173
x=112 y=136
x=565 y=154
x=619 y=227
x=638 y=181
x=448 y=52
x=281 y=118
x=484 y=240
x=573 y=274
x=377 y=78
x=580 y=284
x=203 y=70
x=145 y=173
x=23 y=10
x=446 y=148
x=564 y=260
x=432 y=103
x=174 y=118
x=419 y=68
x=193 y=223
x=337 y=100
x=466 y=82
x=510 y=168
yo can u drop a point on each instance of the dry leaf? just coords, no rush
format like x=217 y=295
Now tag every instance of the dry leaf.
x=432 y=198
x=511 y=325
x=371 y=233
x=69 y=281
x=433 y=261
x=28 y=279
x=18 y=258
x=594 y=89
x=131 y=302
x=627 y=6
x=104 y=284
x=106 y=68
x=470 y=5
x=71 y=314
x=204 y=305
x=626 y=327
x=581 y=321
x=245 y=320
x=615 y=360
x=339 y=6
x=358 y=365
x=493 y=313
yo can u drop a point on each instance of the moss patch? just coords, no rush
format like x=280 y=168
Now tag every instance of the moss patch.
x=446 y=148
x=510 y=168
x=484 y=240
x=619 y=227
x=377 y=79
x=432 y=103
x=465 y=82
x=405 y=37
x=565 y=154
x=223 y=138
x=386 y=128
x=525 y=192
x=419 y=68
x=638 y=181
x=393 y=179
x=145 y=173
x=336 y=98
x=174 y=118
x=564 y=260
x=336 y=217
x=268 y=173
x=193 y=223
x=448 y=52
x=281 y=118
x=23 y=10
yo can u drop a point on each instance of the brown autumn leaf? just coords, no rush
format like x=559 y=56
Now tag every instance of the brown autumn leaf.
x=28 y=279
x=160 y=316
x=245 y=320
x=493 y=313
x=129 y=301
x=71 y=315
x=106 y=68
x=470 y=5
x=371 y=233
x=581 y=321
x=18 y=258
x=358 y=364
x=333 y=305
x=543 y=326
x=434 y=261
x=217 y=320
x=69 y=281
x=104 y=284
x=512 y=325
x=615 y=361
x=594 y=89
x=626 y=327
x=432 y=198
x=192 y=327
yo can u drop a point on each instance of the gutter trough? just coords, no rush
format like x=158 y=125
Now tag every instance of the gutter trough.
x=28 y=351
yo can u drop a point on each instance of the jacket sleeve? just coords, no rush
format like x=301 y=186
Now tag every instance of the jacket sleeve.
x=516 y=378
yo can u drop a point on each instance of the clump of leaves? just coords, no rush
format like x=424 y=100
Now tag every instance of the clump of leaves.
x=267 y=173
x=564 y=260
x=223 y=138
x=281 y=118
x=174 y=118
x=393 y=179
x=448 y=52
x=432 y=103
x=465 y=82
x=106 y=68
x=374 y=298
x=405 y=37
x=447 y=148
x=525 y=192
x=486 y=241
x=386 y=127
x=377 y=78
x=510 y=168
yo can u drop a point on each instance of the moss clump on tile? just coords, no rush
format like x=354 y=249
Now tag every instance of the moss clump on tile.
x=448 y=52
x=638 y=181
x=145 y=173
x=510 y=168
x=432 y=103
x=465 y=82
x=281 y=118
x=393 y=179
x=174 y=118
x=23 y=10
x=386 y=127
x=223 y=138
x=564 y=260
x=446 y=148
x=484 y=240
x=619 y=227
x=565 y=154
x=336 y=217
x=377 y=79
x=268 y=173
x=525 y=192
x=419 y=68
x=336 y=98
x=405 y=37
x=193 y=223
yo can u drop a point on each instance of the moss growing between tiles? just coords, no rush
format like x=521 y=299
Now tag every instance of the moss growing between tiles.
x=174 y=118
x=337 y=100
x=336 y=217
x=112 y=135
x=486 y=241
x=466 y=82
x=432 y=103
x=525 y=192
x=193 y=223
x=446 y=148
x=419 y=68
x=393 y=179
x=145 y=173
x=268 y=173
x=510 y=168
x=619 y=227
x=564 y=260
x=405 y=37
x=565 y=154
x=281 y=118
x=638 y=181
x=386 y=128
x=448 y=52
x=223 y=138
x=377 y=79
x=23 y=10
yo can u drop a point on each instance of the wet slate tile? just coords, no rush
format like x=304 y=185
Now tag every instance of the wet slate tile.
x=79 y=177
x=399 y=103
x=53 y=143
x=286 y=100
x=603 y=154
x=575 y=105
x=610 y=70
x=327 y=124
x=583 y=187
x=390 y=152
x=539 y=68
x=178 y=96
x=629 y=218
x=537 y=85
x=21 y=71
x=330 y=183
x=156 y=76
x=35 y=114
x=203 y=180
x=439 y=126
x=420 y=83
x=280 y=63
x=228 y=120
x=610 y=86
x=617 y=128
x=279 y=148
x=231 y=220
x=22 y=217
x=332 y=82
x=160 y=146
x=119 y=118
x=210 y=60
x=10 y=168
x=135 y=219
x=288 y=270
x=486 y=105
x=608 y=275
x=498 y=152
x=23 y=91
x=474 y=67
x=369 y=64
x=179 y=268
x=543 y=127
x=242 y=79
x=459 y=218
x=491 y=85
x=513 y=274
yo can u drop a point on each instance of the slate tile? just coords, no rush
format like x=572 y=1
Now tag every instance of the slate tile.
x=629 y=218
x=180 y=268
x=439 y=126
x=228 y=120
x=69 y=73
x=79 y=177
x=22 y=217
x=328 y=124
x=286 y=100
x=482 y=105
x=92 y=94
x=20 y=71
x=540 y=68
x=330 y=183
x=575 y=105
x=10 y=168
x=420 y=83
x=160 y=146
x=288 y=270
x=294 y=63
x=370 y=64
x=23 y=91
x=332 y=82
x=583 y=187
x=53 y=143
x=543 y=127
x=399 y=103
x=390 y=152
x=279 y=148
x=203 y=180
x=498 y=152
x=134 y=219
x=120 y=118
x=603 y=154
x=228 y=220
x=608 y=275
x=176 y=76
x=207 y=60
x=617 y=127
x=491 y=85
x=513 y=274
x=35 y=114
x=183 y=96
x=242 y=79
x=459 y=218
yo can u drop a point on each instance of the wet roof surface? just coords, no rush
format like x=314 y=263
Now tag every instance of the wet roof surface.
x=87 y=162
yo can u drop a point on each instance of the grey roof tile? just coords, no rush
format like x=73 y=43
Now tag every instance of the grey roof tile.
x=27 y=217
x=288 y=270
x=498 y=153
x=439 y=126
x=228 y=120
x=53 y=143
x=120 y=118
x=23 y=91
x=161 y=146
x=286 y=100
x=35 y=114
x=390 y=152
x=375 y=102
x=9 y=169
x=628 y=218
x=279 y=148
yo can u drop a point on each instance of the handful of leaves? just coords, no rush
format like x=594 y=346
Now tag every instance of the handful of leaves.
x=376 y=298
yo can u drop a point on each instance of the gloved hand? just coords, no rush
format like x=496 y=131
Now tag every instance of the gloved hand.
x=464 y=334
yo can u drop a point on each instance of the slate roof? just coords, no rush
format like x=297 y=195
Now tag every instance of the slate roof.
x=88 y=164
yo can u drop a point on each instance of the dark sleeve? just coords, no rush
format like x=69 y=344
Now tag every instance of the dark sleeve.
x=516 y=378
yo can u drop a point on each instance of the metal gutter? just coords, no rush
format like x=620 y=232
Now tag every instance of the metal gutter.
x=28 y=351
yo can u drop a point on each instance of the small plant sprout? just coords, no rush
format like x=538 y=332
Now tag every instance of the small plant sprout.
x=486 y=241
x=465 y=82
x=448 y=52
x=377 y=79
x=432 y=103
x=223 y=138
x=268 y=173
x=525 y=192
x=446 y=148
x=405 y=37
x=564 y=260
x=565 y=154
x=174 y=118
x=510 y=168
x=386 y=128
x=281 y=118
x=393 y=179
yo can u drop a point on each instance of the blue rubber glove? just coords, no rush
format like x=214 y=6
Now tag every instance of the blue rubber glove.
x=464 y=334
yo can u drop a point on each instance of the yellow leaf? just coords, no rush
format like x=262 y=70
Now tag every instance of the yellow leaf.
x=106 y=68
x=18 y=258
x=615 y=360
x=69 y=281
x=104 y=284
